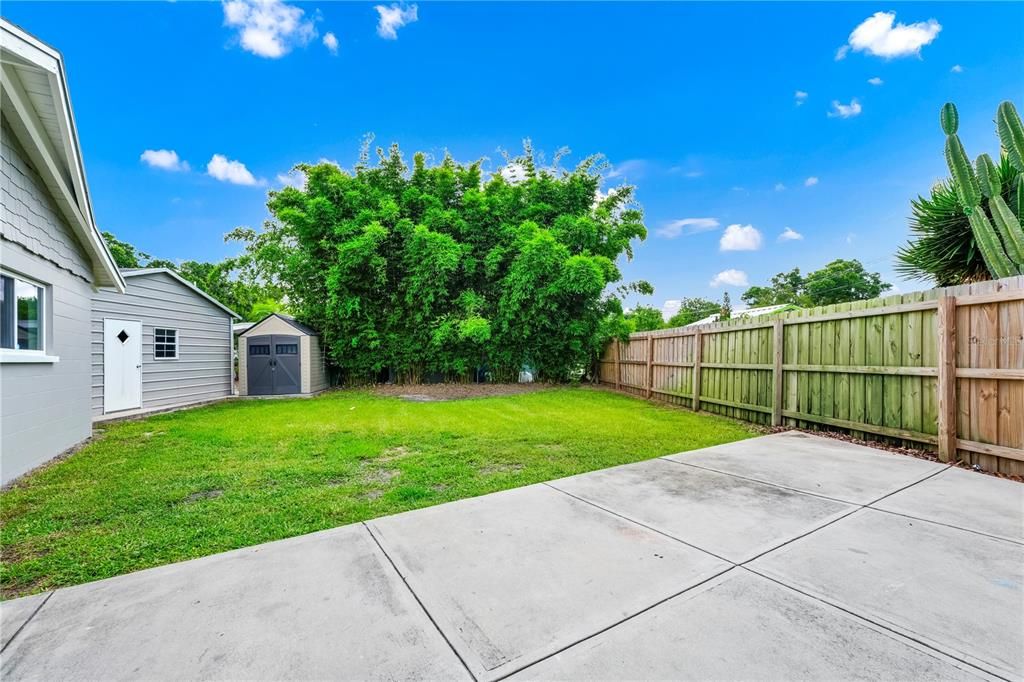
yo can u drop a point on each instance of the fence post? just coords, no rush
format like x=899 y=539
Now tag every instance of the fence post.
x=697 y=352
x=777 y=373
x=650 y=365
x=947 y=378
x=618 y=374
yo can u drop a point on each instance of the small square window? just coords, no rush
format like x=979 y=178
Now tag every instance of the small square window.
x=259 y=349
x=165 y=344
x=287 y=349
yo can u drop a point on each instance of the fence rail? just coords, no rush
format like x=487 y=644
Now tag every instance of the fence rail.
x=942 y=368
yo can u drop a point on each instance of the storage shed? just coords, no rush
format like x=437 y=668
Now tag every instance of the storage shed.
x=162 y=343
x=280 y=356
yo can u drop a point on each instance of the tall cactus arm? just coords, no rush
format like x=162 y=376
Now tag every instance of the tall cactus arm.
x=967 y=188
x=988 y=177
x=1009 y=229
x=992 y=252
x=949 y=119
x=1011 y=134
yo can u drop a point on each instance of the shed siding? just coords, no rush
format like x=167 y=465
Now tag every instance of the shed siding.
x=317 y=374
x=43 y=407
x=203 y=370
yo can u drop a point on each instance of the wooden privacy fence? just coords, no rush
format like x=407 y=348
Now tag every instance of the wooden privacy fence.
x=942 y=368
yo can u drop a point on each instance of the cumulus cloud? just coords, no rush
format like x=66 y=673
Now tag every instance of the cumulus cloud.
x=799 y=97
x=840 y=110
x=164 y=159
x=779 y=187
x=790 y=235
x=268 y=28
x=331 y=42
x=393 y=18
x=957 y=69
x=675 y=228
x=731 y=278
x=876 y=81
x=811 y=181
x=740 y=238
x=235 y=172
x=295 y=178
x=880 y=36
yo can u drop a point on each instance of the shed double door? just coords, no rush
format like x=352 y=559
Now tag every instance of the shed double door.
x=274 y=365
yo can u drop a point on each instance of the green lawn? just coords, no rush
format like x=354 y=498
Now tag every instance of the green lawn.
x=185 y=485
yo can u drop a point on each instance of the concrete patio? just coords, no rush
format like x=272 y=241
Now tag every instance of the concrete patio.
x=783 y=557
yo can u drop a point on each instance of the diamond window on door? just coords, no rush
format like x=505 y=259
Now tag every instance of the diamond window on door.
x=123 y=336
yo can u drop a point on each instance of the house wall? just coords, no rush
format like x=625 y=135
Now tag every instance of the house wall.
x=203 y=370
x=314 y=371
x=44 y=407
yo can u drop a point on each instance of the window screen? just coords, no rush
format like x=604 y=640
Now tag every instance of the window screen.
x=165 y=344
x=287 y=349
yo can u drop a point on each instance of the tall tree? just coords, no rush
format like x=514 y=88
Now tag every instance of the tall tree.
x=434 y=269
x=645 y=318
x=693 y=309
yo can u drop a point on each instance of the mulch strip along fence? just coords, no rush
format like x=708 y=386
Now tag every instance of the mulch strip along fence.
x=942 y=368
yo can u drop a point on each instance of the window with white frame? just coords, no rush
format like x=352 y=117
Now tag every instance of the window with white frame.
x=21 y=314
x=165 y=344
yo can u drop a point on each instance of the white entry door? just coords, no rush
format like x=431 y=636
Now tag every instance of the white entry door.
x=122 y=365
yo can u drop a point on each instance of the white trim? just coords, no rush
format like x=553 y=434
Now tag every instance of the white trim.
x=177 y=339
x=23 y=357
x=139 y=272
x=74 y=201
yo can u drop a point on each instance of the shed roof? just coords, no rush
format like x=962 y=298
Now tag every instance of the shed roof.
x=308 y=331
x=38 y=107
x=138 y=272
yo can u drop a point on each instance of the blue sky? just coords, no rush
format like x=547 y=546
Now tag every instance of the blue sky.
x=695 y=104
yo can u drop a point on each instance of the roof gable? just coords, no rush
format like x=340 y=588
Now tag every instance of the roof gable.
x=255 y=330
x=143 y=272
x=37 y=106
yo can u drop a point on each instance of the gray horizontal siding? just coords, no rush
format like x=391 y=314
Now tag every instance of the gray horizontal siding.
x=44 y=408
x=203 y=370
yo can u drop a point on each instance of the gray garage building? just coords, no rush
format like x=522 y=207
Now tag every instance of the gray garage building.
x=162 y=343
x=280 y=356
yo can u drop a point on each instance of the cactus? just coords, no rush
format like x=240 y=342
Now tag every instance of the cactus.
x=1002 y=245
x=949 y=118
x=988 y=177
x=1011 y=134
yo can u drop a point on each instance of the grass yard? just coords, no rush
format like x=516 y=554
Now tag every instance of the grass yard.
x=184 y=485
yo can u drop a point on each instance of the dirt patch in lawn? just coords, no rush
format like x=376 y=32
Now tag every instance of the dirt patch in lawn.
x=204 y=495
x=435 y=392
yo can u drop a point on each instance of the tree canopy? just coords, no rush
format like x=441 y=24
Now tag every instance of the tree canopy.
x=438 y=270
x=231 y=281
x=693 y=309
x=840 y=281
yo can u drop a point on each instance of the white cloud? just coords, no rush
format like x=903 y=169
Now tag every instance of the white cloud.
x=675 y=228
x=876 y=81
x=295 y=178
x=840 y=110
x=740 y=238
x=331 y=42
x=850 y=237
x=957 y=69
x=693 y=174
x=164 y=159
x=731 y=278
x=234 y=172
x=393 y=18
x=811 y=181
x=799 y=96
x=790 y=235
x=879 y=36
x=779 y=187
x=268 y=28
x=634 y=167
